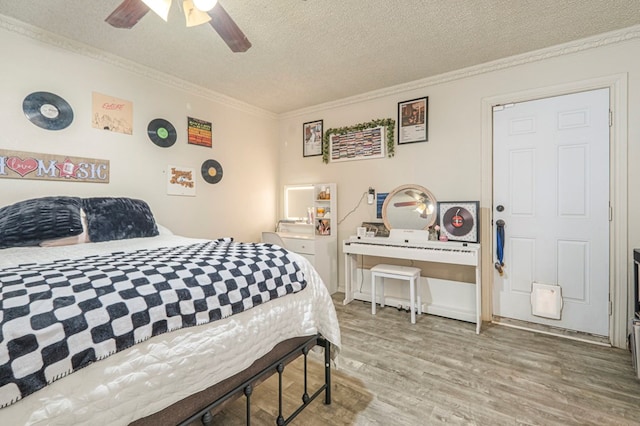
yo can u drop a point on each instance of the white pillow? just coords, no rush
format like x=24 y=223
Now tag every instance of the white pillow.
x=162 y=230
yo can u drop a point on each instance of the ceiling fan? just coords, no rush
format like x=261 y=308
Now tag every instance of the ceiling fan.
x=129 y=12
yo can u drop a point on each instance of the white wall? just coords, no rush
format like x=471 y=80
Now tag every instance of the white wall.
x=241 y=205
x=450 y=163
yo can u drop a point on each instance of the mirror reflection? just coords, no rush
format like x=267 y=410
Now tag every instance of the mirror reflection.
x=297 y=200
x=409 y=207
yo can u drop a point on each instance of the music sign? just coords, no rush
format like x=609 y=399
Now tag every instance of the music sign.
x=29 y=165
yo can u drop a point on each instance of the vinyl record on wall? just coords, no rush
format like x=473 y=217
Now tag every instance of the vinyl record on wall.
x=47 y=110
x=458 y=221
x=161 y=132
x=211 y=171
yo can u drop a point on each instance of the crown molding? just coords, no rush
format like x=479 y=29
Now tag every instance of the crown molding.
x=600 y=40
x=38 y=34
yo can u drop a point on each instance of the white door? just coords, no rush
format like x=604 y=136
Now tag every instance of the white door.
x=551 y=177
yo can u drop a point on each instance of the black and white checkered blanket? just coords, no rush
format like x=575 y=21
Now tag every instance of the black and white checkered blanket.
x=58 y=317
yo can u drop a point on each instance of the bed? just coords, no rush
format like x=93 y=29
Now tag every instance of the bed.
x=165 y=378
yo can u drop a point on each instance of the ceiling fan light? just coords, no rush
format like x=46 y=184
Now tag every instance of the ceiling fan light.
x=205 y=5
x=160 y=7
x=193 y=15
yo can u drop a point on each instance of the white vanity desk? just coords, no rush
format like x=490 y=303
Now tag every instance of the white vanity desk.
x=309 y=227
x=320 y=251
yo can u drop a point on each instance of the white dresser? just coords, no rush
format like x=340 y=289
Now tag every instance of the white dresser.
x=321 y=252
x=304 y=245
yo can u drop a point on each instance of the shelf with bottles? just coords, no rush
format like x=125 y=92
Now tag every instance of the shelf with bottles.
x=323 y=193
x=324 y=207
x=322 y=211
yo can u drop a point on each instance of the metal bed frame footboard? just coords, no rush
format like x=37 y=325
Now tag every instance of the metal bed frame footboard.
x=278 y=366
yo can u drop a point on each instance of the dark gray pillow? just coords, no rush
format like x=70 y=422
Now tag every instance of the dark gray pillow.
x=29 y=222
x=111 y=218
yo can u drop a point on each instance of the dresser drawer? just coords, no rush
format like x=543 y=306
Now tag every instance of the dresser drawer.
x=300 y=245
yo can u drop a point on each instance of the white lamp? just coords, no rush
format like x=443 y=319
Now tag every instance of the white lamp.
x=205 y=5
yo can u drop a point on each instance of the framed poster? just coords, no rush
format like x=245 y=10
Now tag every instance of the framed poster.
x=312 y=138
x=459 y=220
x=199 y=132
x=413 y=119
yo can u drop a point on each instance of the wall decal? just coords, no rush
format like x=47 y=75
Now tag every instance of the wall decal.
x=47 y=110
x=162 y=133
x=211 y=171
x=30 y=165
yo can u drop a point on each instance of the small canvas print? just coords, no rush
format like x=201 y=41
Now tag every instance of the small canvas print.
x=181 y=181
x=112 y=114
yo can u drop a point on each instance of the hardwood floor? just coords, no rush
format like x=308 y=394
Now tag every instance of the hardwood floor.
x=439 y=371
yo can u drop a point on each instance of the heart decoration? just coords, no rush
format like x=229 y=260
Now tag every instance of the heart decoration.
x=22 y=167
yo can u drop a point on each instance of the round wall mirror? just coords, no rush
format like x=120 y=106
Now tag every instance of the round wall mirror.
x=409 y=207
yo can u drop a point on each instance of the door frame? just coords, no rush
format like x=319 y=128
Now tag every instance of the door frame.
x=618 y=240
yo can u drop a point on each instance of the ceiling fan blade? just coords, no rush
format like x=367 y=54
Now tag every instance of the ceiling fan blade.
x=414 y=194
x=406 y=204
x=127 y=14
x=228 y=29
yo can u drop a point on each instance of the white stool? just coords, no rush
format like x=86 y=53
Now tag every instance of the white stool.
x=400 y=273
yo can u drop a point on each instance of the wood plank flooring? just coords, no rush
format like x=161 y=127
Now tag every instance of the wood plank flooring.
x=439 y=371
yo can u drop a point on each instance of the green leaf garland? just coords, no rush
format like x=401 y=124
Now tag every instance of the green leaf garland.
x=389 y=123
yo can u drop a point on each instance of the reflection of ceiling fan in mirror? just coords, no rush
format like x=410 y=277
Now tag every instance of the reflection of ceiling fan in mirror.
x=196 y=12
x=421 y=204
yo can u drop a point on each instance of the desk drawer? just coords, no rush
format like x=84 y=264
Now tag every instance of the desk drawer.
x=300 y=245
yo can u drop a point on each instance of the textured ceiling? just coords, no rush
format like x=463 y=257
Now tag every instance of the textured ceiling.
x=309 y=52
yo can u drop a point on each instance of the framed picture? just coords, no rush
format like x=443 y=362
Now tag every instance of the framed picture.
x=377 y=228
x=312 y=138
x=459 y=220
x=413 y=120
x=361 y=144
